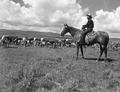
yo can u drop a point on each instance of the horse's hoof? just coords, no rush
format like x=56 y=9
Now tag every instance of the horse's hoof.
x=77 y=58
x=83 y=57
x=105 y=59
x=96 y=60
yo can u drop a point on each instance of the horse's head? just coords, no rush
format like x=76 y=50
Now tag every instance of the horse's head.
x=65 y=30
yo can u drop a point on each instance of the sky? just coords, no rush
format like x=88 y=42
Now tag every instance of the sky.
x=50 y=15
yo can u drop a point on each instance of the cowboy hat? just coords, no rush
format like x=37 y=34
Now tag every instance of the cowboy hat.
x=89 y=15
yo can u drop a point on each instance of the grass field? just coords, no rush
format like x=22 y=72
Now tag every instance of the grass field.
x=35 y=69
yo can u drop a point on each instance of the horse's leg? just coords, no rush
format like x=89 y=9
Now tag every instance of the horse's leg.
x=77 y=51
x=106 y=53
x=101 y=52
x=81 y=48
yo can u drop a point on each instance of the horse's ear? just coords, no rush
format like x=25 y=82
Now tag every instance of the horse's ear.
x=65 y=25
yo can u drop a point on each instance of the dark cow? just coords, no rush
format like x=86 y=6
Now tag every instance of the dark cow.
x=18 y=41
x=36 y=41
x=51 y=42
x=6 y=40
x=68 y=42
x=30 y=41
x=24 y=41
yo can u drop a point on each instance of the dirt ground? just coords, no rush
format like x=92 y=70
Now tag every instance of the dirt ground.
x=34 y=69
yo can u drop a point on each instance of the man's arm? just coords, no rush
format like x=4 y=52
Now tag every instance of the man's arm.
x=84 y=26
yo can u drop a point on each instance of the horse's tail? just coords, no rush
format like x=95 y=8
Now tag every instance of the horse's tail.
x=107 y=38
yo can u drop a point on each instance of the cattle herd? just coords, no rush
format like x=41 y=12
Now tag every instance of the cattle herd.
x=114 y=46
x=8 y=41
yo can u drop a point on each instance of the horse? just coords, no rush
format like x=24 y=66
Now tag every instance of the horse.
x=100 y=37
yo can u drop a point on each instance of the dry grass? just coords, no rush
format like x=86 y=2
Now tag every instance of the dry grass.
x=56 y=70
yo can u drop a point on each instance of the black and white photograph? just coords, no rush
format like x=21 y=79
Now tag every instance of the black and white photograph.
x=59 y=45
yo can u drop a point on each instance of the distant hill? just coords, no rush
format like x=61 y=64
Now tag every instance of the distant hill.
x=21 y=33
x=114 y=39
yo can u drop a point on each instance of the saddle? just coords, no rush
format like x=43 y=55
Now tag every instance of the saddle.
x=90 y=36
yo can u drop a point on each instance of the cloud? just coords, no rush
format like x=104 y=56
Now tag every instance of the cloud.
x=56 y=12
x=21 y=2
x=50 y=15
x=108 y=20
x=45 y=13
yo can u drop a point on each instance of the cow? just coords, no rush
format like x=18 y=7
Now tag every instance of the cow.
x=24 y=41
x=52 y=42
x=30 y=41
x=43 y=42
x=18 y=41
x=68 y=42
x=6 y=40
x=36 y=41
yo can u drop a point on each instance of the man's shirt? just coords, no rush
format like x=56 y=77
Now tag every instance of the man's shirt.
x=89 y=24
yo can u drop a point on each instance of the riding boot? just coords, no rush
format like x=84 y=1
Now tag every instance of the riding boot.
x=83 y=40
x=84 y=43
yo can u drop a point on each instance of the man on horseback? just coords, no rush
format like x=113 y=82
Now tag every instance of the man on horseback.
x=87 y=28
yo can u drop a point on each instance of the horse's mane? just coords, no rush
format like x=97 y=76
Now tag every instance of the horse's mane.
x=75 y=29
